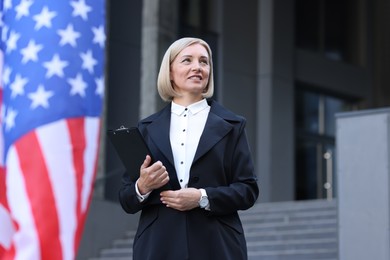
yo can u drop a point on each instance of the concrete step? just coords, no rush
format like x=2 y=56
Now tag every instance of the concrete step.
x=301 y=209
x=117 y=252
x=320 y=243
x=288 y=234
x=300 y=224
x=293 y=254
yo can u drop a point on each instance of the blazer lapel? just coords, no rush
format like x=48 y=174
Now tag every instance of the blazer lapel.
x=215 y=129
x=159 y=133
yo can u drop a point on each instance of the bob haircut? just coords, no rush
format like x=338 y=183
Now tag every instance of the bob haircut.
x=164 y=85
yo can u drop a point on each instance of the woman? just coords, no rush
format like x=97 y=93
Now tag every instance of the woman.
x=203 y=172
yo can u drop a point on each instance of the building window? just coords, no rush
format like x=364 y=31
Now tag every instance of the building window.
x=315 y=143
x=334 y=28
x=197 y=17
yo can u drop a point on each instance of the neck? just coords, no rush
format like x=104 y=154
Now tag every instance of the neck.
x=186 y=100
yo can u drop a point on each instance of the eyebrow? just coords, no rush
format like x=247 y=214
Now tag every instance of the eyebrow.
x=188 y=55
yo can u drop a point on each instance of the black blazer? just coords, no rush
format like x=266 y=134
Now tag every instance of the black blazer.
x=222 y=166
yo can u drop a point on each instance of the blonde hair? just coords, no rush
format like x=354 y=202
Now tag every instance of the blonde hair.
x=164 y=85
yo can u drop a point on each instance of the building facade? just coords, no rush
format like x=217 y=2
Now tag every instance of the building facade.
x=287 y=66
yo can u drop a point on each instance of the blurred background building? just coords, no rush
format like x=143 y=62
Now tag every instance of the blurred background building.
x=287 y=66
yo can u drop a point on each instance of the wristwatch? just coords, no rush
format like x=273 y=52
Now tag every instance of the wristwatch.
x=204 y=200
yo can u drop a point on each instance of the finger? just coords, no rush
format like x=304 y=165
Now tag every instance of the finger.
x=156 y=168
x=169 y=202
x=162 y=176
x=167 y=193
x=158 y=183
x=165 y=180
x=161 y=171
x=146 y=162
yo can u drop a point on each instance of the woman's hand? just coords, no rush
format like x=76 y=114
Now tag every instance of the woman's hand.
x=183 y=199
x=152 y=177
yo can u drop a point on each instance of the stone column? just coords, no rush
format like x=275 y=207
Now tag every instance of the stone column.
x=275 y=97
x=159 y=30
x=149 y=57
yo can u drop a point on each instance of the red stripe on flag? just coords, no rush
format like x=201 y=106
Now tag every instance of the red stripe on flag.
x=40 y=192
x=84 y=214
x=2 y=252
x=77 y=136
x=8 y=254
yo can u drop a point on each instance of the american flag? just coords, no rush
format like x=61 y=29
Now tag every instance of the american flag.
x=52 y=97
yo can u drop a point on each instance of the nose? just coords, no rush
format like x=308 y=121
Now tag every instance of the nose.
x=196 y=66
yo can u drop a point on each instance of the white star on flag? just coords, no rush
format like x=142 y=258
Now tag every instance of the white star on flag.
x=6 y=74
x=80 y=9
x=10 y=119
x=55 y=66
x=99 y=86
x=78 y=85
x=23 y=9
x=99 y=36
x=44 y=18
x=12 y=40
x=4 y=33
x=30 y=52
x=88 y=61
x=68 y=36
x=17 y=87
x=7 y=4
x=40 y=97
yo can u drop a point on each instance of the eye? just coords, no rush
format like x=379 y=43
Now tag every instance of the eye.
x=186 y=60
x=204 y=61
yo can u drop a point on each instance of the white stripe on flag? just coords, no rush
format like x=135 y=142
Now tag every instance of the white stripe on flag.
x=56 y=147
x=92 y=141
x=6 y=228
x=26 y=238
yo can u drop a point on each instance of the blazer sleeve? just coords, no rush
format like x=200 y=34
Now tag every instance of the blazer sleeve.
x=242 y=190
x=128 y=196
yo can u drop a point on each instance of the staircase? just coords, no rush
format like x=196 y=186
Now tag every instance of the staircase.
x=292 y=230
x=296 y=230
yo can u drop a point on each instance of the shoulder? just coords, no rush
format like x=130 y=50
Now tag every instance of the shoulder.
x=224 y=112
x=164 y=111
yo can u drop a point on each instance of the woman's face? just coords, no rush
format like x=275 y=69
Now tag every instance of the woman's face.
x=190 y=70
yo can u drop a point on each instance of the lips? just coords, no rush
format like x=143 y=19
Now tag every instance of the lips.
x=199 y=77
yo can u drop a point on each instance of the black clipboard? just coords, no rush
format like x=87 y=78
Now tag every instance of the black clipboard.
x=130 y=147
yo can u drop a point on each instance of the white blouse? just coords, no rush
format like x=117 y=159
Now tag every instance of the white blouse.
x=187 y=124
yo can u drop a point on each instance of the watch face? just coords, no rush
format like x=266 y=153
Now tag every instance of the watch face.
x=203 y=202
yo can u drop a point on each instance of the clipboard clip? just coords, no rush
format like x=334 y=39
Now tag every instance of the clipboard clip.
x=121 y=128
